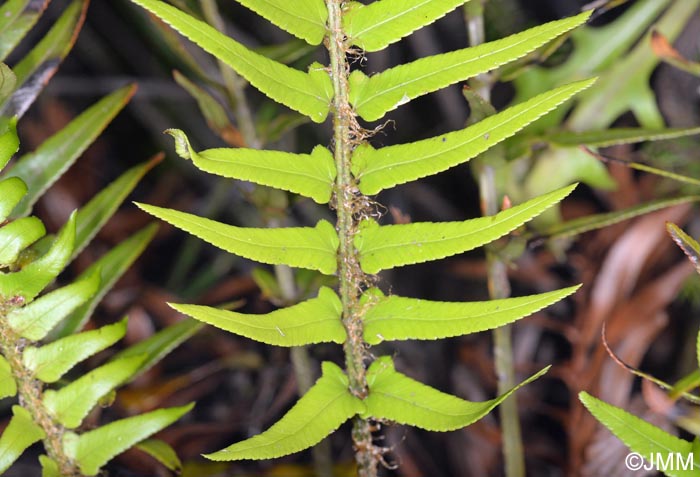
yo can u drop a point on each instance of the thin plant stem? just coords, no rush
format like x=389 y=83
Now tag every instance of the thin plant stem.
x=345 y=197
x=235 y=85
x=498 y=284
x=30 y=393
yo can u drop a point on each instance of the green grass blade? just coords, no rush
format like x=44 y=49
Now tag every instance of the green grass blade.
x=572 y=228
x=154 y=348
x=308 y=93
x=375 y=95
x=689 y=245
x=17 y=17
x=19 y=434
x=40 y=169
x=398 y=318
x=379 y=169
x=93 y=215
x=111 y=267
x=396 y=397
x=8 y=386
x=95 y=448
x=305 y=19
x=389 y=246
x=375 y=26
x=640 y=436
x=617 y=136
x=39 y=65
x=319 y=412
x=311 y=175
x=312 y=321
x=305 y=247
x=70 y=404
x=51 y=361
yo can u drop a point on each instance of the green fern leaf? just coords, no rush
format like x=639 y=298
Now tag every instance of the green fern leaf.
x=640 y=436
x=305 y=19
x=35 y=320
x=11 y=192
x=162 y=452
x=318 y=413
x=50 y=362
x=398 y=318
x=375 y=26
x=19 y=434
x=312 y=321
x=389 y=246
x=70 y=404
x=309 y=93
x=379 y=169
x=9 y=143
x=311 y=175
x=18 y=235
x=41 y=168
x=49 y=467
x=374 y=96
x=8 y=386
x=33 y=278
x=95 y=448
x=397 y=397
x=305 y=247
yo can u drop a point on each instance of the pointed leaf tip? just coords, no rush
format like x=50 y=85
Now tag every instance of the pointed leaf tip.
x=312 y=321
x=395 y=396
x=319 y=412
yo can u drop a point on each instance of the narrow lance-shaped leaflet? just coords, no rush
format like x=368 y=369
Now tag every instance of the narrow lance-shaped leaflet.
x=306 y=247
x=373 y=96
x=379 y=169
x=389 y=246
x=308 y=93
x=311 y=175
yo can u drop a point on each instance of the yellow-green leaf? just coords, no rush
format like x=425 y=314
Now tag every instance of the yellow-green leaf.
x=379 y=169
x=305 y=19
x=305 y=247
x=309 y=93
x=311 y=175
x=398 y=318
x=373 y=96
x=319 y=412
x=312 y=321
x=397 y=397
x=389 y=246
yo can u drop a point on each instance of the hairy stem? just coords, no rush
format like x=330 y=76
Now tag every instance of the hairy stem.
x=498 y=284
x=350 y=274
x=30 y=393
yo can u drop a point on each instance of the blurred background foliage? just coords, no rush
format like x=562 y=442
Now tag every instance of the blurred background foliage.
x=635 y=280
